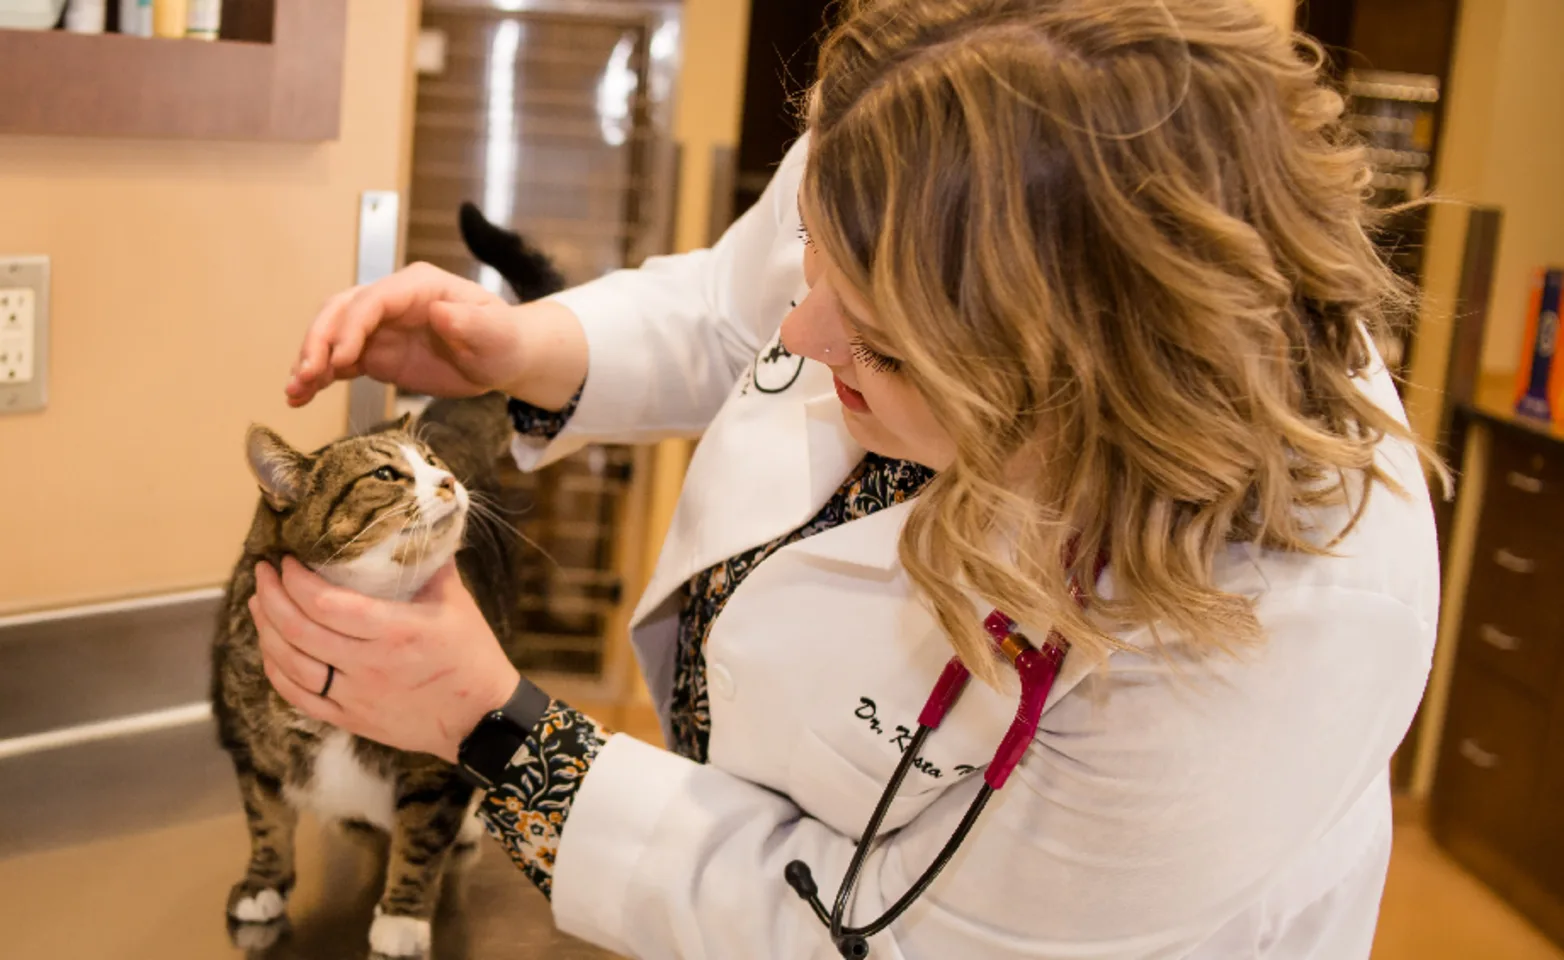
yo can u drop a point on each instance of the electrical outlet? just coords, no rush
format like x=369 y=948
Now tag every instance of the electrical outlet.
x=16 y=335
x=24 y=333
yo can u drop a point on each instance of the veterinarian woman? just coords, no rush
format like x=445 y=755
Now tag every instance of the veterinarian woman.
x=1062 y=309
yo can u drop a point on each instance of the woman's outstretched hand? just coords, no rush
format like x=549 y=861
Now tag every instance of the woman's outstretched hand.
x=431 y=332
x=416 y=676
x=423 y=329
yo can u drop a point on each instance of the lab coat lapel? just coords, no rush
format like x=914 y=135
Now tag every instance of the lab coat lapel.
x=874 y=542
x=870 y=542
x=767 y=464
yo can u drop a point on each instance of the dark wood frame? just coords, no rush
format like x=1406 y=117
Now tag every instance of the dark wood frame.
x=64 y=84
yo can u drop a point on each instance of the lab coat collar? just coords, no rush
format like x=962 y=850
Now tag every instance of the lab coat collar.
x=764 y=468
x=874 y=543
x=832 y=454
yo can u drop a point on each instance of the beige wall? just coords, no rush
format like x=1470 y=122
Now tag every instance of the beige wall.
x=710 y=103
x=1279 y=10
x=1503 y=138
x=183 y=275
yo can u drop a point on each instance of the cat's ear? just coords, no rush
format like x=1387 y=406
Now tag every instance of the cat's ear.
x=403 y=422
x=278 y=468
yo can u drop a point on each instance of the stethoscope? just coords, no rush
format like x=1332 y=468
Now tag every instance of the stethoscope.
x=1037 y=668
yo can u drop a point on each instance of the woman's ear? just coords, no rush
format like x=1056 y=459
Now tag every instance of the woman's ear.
x=279 y=469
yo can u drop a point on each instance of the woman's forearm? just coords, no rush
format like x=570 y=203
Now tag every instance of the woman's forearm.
x=527 y=808
x=553 y=361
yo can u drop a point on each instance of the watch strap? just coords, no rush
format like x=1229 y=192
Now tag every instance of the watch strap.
x=485 y=752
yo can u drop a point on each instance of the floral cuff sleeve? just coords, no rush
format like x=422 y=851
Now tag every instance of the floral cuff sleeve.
x=533 y=421
x=526 y=809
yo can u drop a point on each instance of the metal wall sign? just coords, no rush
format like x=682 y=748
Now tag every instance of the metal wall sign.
x=379 y=216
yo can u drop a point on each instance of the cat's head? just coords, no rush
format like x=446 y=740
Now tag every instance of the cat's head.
x=378 y=513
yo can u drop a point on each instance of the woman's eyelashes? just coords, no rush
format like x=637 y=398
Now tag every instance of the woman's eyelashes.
x=866 y=355
x=873 y=359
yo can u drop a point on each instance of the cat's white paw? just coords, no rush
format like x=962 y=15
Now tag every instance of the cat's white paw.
x=398 y=936
x=254 y=938
x=261 y=907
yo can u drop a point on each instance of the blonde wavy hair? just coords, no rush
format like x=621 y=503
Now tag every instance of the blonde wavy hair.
x=1122 y=248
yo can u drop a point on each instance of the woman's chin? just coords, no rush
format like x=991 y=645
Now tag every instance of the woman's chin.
x=873 y=437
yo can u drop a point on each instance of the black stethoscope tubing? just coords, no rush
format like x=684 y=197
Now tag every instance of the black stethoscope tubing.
x=853 y=941
x=1038 y=669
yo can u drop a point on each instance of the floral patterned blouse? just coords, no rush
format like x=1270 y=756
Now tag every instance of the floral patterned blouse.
x=527 y=809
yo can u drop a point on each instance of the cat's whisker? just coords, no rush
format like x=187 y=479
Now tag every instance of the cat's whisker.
x=393 y=512
x=490 y=530
x=401 y=568
x=482 y=507
x=423 y=539
x=494 y=504
x=483 y=511
x=416 y=552
x=496 y=529
x=425 y=534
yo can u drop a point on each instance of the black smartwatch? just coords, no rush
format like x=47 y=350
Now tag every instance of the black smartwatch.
x=485 y=752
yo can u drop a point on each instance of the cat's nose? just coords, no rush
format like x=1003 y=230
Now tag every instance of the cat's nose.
x=448 y=486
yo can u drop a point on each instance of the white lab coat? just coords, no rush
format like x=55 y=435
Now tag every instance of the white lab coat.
x=1206 y=808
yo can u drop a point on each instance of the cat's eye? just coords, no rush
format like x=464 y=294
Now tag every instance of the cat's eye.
x=431 y=460
x=387 y=474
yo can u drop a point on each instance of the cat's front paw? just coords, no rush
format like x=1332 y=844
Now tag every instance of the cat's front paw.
x=249 y=902
x=257 y=915
x=254 y=939
x=394 y=936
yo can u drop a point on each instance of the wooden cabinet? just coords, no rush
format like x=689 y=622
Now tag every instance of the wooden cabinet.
x=1490 y=765
x=1498 y=798
x=277 y=75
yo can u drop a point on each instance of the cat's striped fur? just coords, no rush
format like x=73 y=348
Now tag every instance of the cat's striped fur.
x=380 y=513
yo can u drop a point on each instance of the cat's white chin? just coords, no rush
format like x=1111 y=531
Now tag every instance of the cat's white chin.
x=398 y=567
x=437 y=515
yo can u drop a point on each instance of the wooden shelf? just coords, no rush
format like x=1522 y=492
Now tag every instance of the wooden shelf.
x=54 y=83
x=1495 y=402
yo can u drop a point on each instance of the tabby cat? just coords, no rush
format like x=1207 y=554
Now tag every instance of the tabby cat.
x=379 y=512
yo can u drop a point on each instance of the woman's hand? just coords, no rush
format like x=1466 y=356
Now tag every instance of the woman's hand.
x=421 y=328
x=432 y=332
x=417 y=676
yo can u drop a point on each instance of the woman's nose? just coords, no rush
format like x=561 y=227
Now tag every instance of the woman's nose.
x=811 y=330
